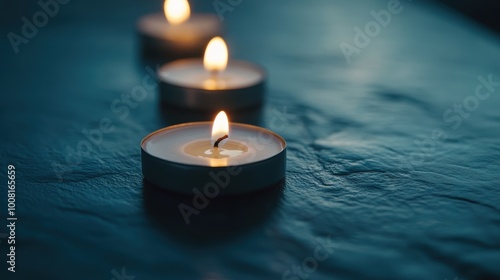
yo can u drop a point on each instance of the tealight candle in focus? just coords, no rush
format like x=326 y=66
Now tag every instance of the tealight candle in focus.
x=227 y=158
x=213 y=83
x=177 y=33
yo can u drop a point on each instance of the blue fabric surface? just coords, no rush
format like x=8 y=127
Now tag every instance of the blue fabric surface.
x=381 y=176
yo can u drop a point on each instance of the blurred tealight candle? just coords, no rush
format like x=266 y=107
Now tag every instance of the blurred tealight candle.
x=177 y=33
x=213 y=83
x=235 y=158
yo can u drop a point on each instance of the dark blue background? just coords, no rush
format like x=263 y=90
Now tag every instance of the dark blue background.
x=355 y=172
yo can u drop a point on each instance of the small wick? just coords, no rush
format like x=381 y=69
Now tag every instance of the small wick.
x=216 y=144
x=213 y=75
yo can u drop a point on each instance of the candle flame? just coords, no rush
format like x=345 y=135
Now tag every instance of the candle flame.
x=220 y=127
x=216 y=55
x=176 y=11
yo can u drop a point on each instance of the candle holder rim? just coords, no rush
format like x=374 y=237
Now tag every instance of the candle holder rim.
x=162 y=14
x=281 y=139
x=141 y=21
x=257 y=67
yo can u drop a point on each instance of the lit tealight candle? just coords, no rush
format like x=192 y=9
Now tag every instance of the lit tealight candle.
x=177 y=33
x=212 y=83
x=237 y=158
